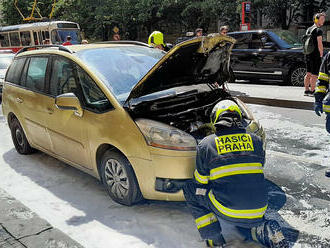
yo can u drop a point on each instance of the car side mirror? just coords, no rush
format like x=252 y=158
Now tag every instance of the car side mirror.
x=69 y=101
x=270 y=45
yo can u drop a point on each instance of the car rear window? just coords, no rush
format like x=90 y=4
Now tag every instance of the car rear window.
x=122 y=67
x=15 y=70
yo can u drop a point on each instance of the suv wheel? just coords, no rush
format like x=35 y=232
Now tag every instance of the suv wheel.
x=297 y=76
x=19 y=139
x=119 y=179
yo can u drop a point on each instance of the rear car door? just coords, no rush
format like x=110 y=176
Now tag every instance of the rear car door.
x=29 y=97
x=265 y=58
x=241 y=59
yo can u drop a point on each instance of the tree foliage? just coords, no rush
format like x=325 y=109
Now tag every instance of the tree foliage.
x=140 y=17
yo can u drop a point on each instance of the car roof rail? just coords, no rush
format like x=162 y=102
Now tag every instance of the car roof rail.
x=124 y=42
x=30 y=48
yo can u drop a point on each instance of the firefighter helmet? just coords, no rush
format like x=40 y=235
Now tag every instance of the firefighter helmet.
x=225 y=108
x=156 y=38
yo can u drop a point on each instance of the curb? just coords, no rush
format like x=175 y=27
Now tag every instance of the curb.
x=277 y=102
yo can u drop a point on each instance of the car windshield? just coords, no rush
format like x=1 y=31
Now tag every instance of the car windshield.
x=74 y=33
x=122 y=67
x=5 y=60
x=285 y=38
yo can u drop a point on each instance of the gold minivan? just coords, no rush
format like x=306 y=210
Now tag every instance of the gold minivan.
x=124 y=112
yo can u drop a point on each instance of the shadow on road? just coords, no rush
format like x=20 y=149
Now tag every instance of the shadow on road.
x=163 y=224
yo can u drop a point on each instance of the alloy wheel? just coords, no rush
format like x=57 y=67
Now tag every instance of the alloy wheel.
x=116 y=178
x=19 y=137
x=298 y=76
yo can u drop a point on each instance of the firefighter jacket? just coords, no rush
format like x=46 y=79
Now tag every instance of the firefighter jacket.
x=231 y=163
x=322 y=94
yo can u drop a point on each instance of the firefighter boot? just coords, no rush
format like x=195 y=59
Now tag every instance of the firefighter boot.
x=219 y=242
x=269 y=234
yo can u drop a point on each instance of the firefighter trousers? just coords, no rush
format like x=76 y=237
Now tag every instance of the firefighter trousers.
x=206 y=220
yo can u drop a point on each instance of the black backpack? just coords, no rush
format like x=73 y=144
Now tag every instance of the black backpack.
x=307 y=41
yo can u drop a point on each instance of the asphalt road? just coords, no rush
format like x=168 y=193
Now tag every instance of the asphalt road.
x=75 y=203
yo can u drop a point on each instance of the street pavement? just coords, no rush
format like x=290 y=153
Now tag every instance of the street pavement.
x=60 y=199
x=22 y=228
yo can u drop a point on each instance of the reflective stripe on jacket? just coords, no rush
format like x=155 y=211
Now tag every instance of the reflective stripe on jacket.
x=322 y=85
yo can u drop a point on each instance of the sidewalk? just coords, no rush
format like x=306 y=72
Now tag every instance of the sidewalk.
x=272 y=95
x=21 y=228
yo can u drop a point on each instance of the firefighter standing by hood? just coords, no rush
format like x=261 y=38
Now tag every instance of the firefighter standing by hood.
x=229 y=183
x=156 y=39
x=322 y=94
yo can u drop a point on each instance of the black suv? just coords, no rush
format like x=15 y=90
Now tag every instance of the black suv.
x=268 y=54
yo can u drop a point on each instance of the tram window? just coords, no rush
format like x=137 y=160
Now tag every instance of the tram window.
x=35 y=37
x=26 y=38
x=45 y=35
x=5 y=40
x=40 y=37
x=55 y=37
x=14 y=39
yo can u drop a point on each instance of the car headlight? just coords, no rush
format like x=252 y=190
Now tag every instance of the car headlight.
x=1 y=81
x=164 y=136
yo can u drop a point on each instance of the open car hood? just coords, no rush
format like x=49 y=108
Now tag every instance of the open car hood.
x=196 y=61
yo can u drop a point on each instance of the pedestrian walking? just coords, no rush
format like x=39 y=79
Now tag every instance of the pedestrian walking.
x=229 y=184
x=313 y=50
x=322 y=94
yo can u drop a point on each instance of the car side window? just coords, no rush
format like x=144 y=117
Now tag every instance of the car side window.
x=36 y=73
x=259 y=40
x=242 y=41
x=94 y=98
x=63 y=79
x=67 y=77
x=15 y=70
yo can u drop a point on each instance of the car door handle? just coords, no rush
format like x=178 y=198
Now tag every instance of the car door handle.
x=50 y=111
x=19 y=100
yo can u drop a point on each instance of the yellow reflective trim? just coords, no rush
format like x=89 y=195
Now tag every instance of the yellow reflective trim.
x=235 y=169
x=234 y=143
x=200 y=178
x=323 y=76
x=239 y=214
x=326 y=108
x=321 y=89
x=206 y=220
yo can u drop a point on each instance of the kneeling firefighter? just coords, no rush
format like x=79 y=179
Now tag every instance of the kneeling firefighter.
x=229 y=183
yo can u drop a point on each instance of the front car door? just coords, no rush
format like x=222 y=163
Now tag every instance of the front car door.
x=69 y=132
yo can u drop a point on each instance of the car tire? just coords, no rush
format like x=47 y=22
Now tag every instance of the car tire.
x=297 y=76
x=119 y=179
x=19 y=138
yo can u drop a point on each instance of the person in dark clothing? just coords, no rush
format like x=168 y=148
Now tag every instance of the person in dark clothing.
x=229 y=182
x=322 y=94
x=313 y=60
